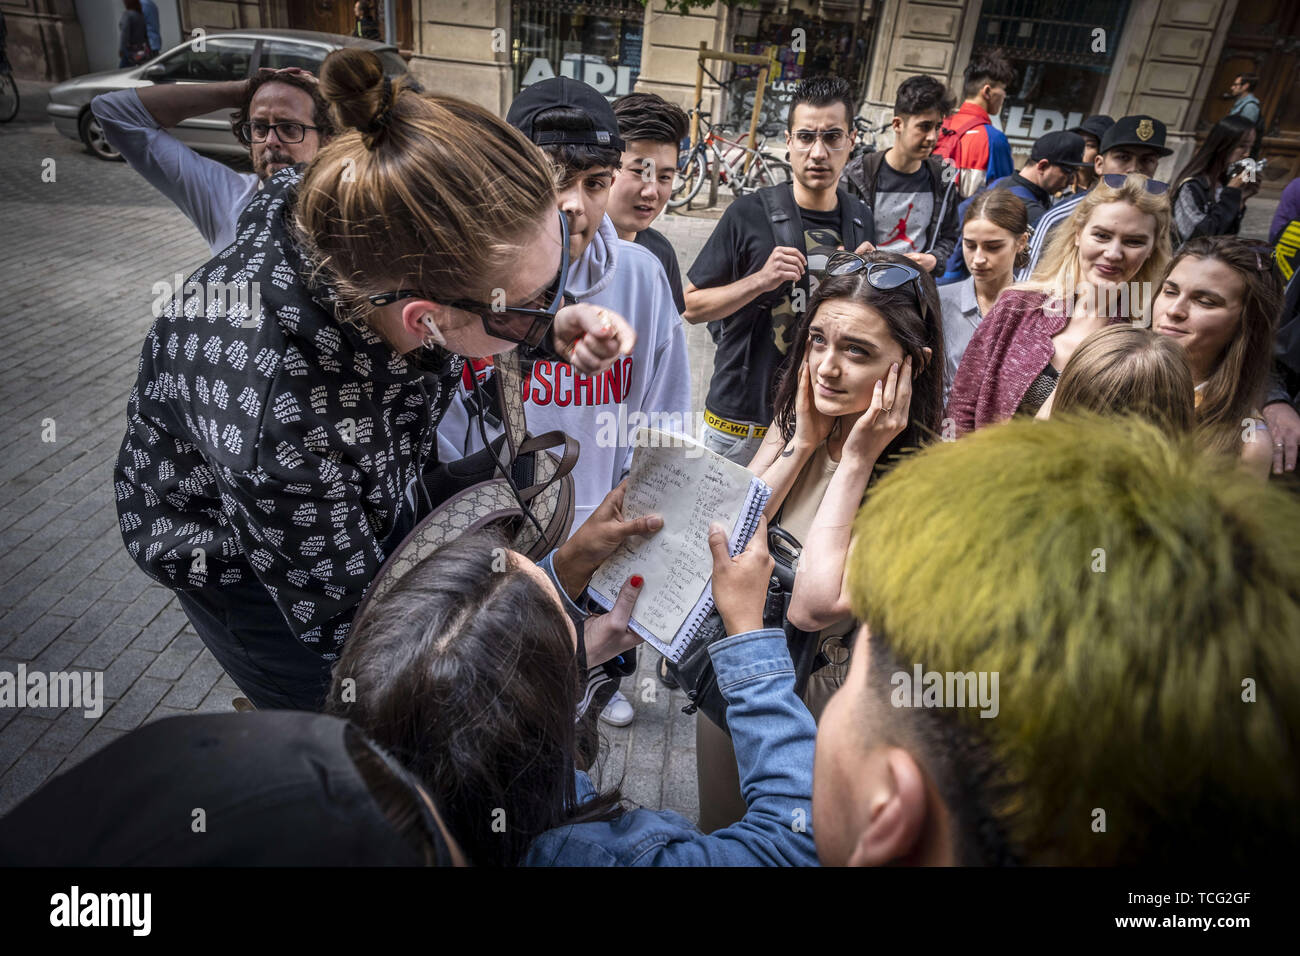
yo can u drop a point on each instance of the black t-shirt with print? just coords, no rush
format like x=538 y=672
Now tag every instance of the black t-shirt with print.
x=754 y=341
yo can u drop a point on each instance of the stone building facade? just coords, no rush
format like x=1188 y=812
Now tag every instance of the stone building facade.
x=1172 y=59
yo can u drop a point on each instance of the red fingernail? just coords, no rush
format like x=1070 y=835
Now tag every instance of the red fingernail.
x=636 y=580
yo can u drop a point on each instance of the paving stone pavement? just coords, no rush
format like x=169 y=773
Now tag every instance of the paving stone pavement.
x=80 y=257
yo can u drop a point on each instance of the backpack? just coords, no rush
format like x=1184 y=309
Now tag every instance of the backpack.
x=857 y=225
x=486 y=488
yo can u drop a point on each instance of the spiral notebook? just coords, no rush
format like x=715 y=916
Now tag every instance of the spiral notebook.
x=689 y=486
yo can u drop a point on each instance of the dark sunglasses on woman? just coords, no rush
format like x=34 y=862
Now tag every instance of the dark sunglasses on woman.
x=525 y=325
x=881 y=275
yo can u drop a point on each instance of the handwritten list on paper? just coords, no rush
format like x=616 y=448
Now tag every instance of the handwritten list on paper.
x=689 y=487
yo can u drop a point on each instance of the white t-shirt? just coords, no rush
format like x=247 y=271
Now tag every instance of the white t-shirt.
x=211 y=194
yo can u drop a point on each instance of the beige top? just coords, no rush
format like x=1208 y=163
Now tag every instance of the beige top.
x=800 y=508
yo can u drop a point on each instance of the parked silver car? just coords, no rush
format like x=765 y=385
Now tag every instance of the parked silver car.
x=216 y=57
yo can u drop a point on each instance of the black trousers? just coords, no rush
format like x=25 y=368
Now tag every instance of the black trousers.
x=249 y=637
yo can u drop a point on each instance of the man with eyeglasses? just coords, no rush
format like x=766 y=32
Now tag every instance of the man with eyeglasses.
x=279 y=115
x=752 y=275
x=1135 y=144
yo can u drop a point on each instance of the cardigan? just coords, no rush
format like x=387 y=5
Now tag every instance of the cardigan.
x=1007 y=352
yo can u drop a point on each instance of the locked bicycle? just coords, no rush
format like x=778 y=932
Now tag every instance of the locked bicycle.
x=866 y=139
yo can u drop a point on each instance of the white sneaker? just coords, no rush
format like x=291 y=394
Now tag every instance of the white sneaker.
x=618 y=712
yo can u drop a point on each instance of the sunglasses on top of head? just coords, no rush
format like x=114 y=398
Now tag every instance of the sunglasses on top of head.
x=524 y=325
x=880 y=275
x=1117 y=180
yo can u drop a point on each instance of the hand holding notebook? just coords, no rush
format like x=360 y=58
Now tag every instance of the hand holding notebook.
x=679 y=479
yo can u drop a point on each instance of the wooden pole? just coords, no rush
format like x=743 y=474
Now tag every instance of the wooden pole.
x=699 y=95
x=758 y=105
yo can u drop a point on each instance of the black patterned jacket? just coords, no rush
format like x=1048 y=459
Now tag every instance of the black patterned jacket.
x=267 y=439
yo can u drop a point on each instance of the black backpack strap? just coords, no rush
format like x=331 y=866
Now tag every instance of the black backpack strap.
x=787 y=230
x=783 y=215
x=857 y=220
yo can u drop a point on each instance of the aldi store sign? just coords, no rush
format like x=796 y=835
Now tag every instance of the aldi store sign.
x=592 y=70
x=1038 y=122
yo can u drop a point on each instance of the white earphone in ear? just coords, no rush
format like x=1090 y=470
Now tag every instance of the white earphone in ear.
x=433 y=330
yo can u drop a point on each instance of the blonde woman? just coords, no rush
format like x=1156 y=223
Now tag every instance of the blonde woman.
x=1114 y=245
x=1122 y=370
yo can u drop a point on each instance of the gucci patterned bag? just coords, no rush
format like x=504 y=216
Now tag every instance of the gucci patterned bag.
x=474 y=492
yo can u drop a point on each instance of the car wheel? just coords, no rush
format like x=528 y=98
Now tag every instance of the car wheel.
x=92 y=134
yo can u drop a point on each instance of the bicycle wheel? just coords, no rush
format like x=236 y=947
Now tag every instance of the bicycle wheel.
x=8 y=97
x=687 y=182
x=768 y=171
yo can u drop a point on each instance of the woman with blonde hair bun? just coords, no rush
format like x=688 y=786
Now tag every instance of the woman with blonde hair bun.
x=276 y=450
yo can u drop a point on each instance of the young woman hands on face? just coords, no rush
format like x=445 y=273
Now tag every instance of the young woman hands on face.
x=811 y=426
x=884 y=420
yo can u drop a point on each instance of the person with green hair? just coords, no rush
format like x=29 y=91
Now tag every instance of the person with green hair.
x=1080 y=649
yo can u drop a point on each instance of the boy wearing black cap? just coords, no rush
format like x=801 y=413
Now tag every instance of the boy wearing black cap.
x=1053 y=160
x=577 y=128
x=1135 y=144
x=1092 y=130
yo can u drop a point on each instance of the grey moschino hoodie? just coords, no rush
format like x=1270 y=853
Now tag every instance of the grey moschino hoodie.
x=601 y=411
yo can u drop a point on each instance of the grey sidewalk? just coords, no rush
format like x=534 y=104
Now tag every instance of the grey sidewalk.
x=81 y=257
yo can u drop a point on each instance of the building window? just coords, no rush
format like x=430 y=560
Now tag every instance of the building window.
x=597 y=42
x=1082 y=35
x=828 y=44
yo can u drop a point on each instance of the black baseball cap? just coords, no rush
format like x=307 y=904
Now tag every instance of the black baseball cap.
x=275 y=787
x=1139 y=130
x=1060 y=148
x=1095 y=126
x=561 y=91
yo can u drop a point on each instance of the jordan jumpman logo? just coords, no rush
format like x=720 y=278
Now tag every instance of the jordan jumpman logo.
x=900 y=230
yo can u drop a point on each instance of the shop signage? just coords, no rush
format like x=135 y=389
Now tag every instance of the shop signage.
x=610 y=80
x=1039 y=121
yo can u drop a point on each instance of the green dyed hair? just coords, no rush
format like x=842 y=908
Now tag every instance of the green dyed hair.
x=1120 y=689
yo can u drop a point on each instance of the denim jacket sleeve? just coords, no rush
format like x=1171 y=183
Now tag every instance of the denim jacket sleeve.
x=577 y=614
x=773 y=735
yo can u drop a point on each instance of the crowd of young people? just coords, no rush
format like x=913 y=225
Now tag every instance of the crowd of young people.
x=948 y=465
